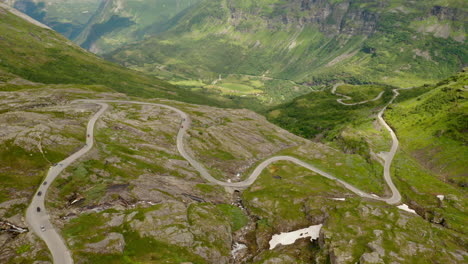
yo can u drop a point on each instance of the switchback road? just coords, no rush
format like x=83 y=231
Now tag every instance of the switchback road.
x=41 y=225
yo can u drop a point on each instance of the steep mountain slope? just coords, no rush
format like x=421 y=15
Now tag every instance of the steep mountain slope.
x=68 y=17
x=393 y=42
x=134 y=198
x=119 y=22
x=42 y=55
x=432 y=124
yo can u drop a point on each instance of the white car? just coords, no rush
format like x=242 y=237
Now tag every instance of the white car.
x=42 y=228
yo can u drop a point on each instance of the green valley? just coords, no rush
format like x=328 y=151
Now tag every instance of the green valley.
x=353 y=41
x=233 y=131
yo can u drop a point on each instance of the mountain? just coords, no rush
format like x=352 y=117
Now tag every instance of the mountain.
x=120 y=22
x=431 y=121
x=68 y=17
x=41 y=55
x=136 y=190
x=392 y=42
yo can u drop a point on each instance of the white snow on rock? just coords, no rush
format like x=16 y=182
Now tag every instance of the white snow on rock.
x=291 y=237
x=339 y=199
x=405 y=207
x=441 y=197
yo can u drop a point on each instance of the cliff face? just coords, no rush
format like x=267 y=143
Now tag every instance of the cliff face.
x=309 y=41
x=331 y=18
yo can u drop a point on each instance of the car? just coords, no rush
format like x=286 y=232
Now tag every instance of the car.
x=39 y=193
x=42 y=228
x=45 y=183
x=38 y=209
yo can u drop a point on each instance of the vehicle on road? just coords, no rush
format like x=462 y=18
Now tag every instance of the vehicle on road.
x=39 y=193
x=42 y=228
x=38 y=209
x=45 y=183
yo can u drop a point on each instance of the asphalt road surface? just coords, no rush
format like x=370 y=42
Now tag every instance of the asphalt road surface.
x=39 y=221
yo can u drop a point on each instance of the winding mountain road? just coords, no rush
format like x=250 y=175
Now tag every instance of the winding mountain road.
x=349 y=98
x=58 y=248
x=39 y=221
x=387 y=156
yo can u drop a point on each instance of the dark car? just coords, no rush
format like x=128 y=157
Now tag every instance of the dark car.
x=39 y=193
x=45 y=183
x=38 y=209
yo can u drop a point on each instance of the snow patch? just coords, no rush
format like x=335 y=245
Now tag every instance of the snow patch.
x=291 y=237
x=405 y=207
x=339 y=199
x=441 y=197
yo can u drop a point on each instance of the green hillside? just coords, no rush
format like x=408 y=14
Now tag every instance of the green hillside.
x=42 y=55
x=307 y=42
x=118 y=22
x=68 y=17
x=432 y=124
x=136 y=198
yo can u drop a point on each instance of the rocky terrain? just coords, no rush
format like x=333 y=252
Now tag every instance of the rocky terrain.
x=133 y=198
x=134 y=189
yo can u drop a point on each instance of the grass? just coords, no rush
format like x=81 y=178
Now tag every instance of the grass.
x=236 y=216
x=351 y=168
x=319 y=113
x=349 y=215
x=24 y=169
x=43 y=56
x=203 y=43
x=281 y=200
x=360 y=93
x=88 y=228
x=85 y=227
x=419 y=187
x=431 y=122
